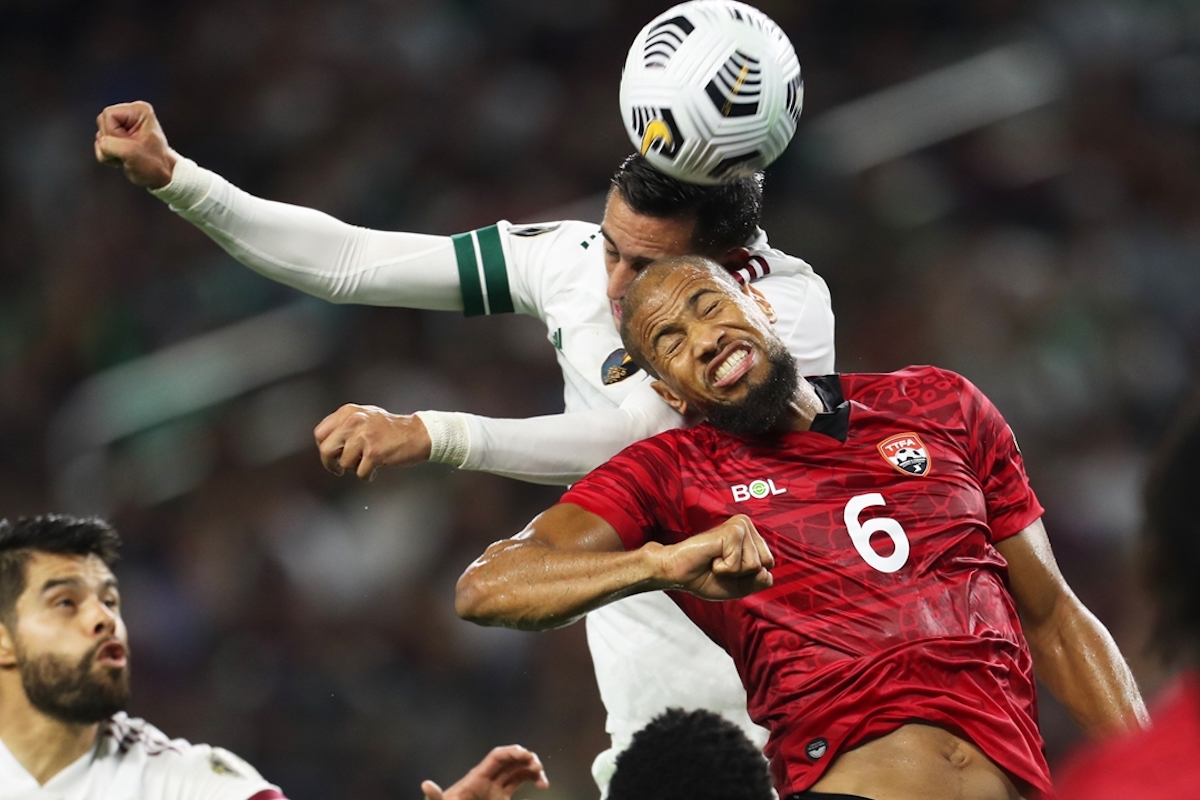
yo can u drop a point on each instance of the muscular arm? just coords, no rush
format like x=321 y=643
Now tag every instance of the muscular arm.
x=1073 y=652
x=569 y=561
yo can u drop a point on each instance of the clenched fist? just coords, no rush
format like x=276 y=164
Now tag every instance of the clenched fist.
x=128 y=136
x=365 y=438
x=728 y=561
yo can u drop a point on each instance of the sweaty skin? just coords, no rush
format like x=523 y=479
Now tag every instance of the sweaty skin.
x=685 y=321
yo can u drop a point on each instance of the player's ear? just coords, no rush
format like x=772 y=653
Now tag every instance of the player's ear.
x=670 y=397
x=752 y=291
x=8 y=648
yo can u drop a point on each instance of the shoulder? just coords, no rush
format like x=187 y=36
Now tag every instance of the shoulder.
x=927 y=391
x=562 y=233
x=164 y=761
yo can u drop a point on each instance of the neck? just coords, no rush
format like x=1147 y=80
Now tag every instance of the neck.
x=44 y=746
x=804 y=407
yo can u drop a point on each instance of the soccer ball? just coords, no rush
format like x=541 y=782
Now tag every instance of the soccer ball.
x=711 y=91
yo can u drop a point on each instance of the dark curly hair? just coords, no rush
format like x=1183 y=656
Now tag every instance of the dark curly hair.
x=1171 y=537
x=691 y=755
x=727 y=214
x=47 y=533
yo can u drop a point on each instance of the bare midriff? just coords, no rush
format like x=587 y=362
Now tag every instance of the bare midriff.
x=918 y=762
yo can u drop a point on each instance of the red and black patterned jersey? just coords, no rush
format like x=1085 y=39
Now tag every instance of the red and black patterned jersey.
x=890 y=603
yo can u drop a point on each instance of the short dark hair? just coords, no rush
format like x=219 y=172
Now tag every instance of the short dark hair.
x=1171 y=536
x=690 y=755
x=47 y=533
x=727 y=214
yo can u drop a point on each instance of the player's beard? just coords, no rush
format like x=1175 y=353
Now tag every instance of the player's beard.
x=79 y=694
x=767 y=404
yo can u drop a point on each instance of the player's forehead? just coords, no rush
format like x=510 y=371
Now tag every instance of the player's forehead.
x=635 y=235
x=667 y=295
x=49 y=570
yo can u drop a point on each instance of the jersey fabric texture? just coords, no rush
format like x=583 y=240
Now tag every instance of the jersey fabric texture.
x=1159 y=763
x=133 y=760
x=555 y=272
x=858 y=635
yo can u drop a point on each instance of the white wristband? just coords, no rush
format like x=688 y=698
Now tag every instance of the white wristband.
x=189 y=185
x=449 y=437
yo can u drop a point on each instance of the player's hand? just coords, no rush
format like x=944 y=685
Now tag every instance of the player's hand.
x=500 y=774
x=365 y=438
x=128 y=136
x=731 y=560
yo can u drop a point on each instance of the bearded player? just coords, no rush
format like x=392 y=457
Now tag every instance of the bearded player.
x=570 y=276
x=64 y=682
x=872 y=604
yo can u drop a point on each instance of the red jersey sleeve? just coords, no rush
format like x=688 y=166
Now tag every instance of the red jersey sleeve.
x=1011 y=504
x=637 y=491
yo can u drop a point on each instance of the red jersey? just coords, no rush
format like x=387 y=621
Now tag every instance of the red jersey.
x=890 y=602
x=1153 y=764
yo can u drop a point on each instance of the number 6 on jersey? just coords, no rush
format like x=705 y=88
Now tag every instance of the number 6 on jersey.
x=860 y=533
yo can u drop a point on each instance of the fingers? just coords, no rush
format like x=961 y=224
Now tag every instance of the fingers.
x=743 y=550
x=512 y=766
x=432 y=790
x=124 y=118
x=114 y=150
x=331 y=438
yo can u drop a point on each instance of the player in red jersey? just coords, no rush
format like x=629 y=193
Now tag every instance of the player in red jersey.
x=1162 y=762
x=873 y=602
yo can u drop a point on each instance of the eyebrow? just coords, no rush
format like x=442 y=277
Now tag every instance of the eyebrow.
x=673 y=326
x=54 y=583
x=636 y=262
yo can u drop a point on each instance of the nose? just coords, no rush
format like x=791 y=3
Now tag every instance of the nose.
x=707 y=340
x=104 y=619
x=619 y=278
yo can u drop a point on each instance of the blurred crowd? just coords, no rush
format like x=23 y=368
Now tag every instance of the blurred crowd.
x=306 y=622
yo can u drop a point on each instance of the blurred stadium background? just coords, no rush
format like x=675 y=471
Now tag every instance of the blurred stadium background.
x=1009 y=188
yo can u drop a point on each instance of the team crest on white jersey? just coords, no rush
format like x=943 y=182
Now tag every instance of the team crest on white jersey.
x=907 y=453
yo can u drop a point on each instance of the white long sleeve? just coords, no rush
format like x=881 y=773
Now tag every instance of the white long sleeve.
x=552 y=271
x=314 y=252
x=557 y=449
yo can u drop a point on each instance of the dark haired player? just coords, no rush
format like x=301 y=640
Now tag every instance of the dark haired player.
x=696 y=755
x=1161 y=762
x=64 y=682
x=873 y=601
x=567 y=274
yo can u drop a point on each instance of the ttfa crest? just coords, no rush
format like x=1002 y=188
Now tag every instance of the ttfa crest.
x=906 y=453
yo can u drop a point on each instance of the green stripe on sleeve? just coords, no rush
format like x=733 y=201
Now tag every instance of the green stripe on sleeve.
x=468 y=275
x=495 y=271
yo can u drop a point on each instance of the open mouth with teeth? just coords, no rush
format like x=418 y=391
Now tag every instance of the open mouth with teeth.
x=733 y=366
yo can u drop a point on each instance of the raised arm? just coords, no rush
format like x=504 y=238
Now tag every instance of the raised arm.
x=300 y=247
x=569 y=561
x=1073 y=652
x=556 y=449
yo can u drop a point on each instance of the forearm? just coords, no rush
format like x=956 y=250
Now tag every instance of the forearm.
x=1077 y=658
x=556 y=449
x=518 y=583
x=314 y=252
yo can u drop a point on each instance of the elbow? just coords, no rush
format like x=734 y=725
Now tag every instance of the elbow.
x=471 y=598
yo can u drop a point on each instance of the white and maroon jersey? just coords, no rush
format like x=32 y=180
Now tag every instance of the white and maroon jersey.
x=133 y=760
x=555 y=272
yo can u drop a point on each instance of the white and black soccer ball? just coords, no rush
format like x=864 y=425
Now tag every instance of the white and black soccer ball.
x=711 y=91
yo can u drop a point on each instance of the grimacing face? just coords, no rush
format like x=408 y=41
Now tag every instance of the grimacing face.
x=70 y=645
x=710 y=342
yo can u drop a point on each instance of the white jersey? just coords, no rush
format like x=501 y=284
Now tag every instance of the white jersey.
x=133 y=760
x=648 y=656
